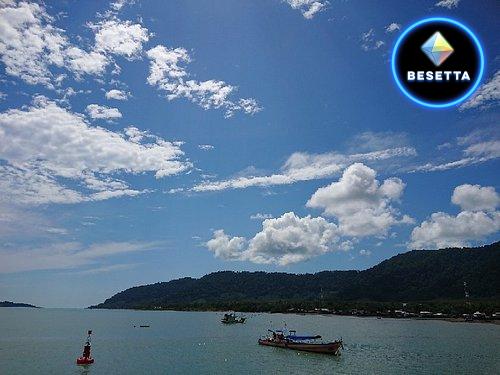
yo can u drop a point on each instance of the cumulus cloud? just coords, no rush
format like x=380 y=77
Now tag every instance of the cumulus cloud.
x=66 y=255
x=301 y=166
x=488 y=95
x=117 y=94
x=120 y=37
x=448 y=3
x=82 y=62
x=475 y=197
x=29 y=43
x=31 y=47
x=285 y=240
x=477 y=220
x=308 y=8
x=168 y=73
x=444 y=230
x=392 y=27
x=44 y=144
x=362 y=205
x=96 y=111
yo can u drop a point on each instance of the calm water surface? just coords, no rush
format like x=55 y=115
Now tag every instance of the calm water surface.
x=47 y=341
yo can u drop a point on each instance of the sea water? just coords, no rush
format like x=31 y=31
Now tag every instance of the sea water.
x=48 y=341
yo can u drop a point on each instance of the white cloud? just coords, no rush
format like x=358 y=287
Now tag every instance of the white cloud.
x=29 y=43
x=120 y=37
x=369 y=42
x=206 y=147
x=448 y=3
x=96 y=111
x=487 y=95
x=302 y=166
x=392 y=27
x=362 y=205
x=444 y=230
x=365 y=253
x=308 y=8
x=477 y=220
x=119 y=4
x=105 y=269
x=431 y=167
x=248 y=106
x=478 y=146
x=16 y=221
x=484 y=150
x=31 y=185
x=475 y=197
x=117 y=94
x=66 y=255
x=285 y=240
x=377 y=141
x=259 y=216
x=44 y=144
x=168 y=73
x=82 y=62
x=31 y=46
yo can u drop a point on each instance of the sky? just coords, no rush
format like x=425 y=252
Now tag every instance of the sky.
x=143 y=141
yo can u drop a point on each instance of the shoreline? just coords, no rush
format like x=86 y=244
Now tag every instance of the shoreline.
x=445 y=319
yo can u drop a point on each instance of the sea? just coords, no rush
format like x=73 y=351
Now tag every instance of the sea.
x=48 y=341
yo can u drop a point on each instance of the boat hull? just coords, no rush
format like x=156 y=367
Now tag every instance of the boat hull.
x=332 y=348
x=236 y=321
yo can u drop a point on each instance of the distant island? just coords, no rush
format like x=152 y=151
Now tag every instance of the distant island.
x=412 y=283
x=15 y=304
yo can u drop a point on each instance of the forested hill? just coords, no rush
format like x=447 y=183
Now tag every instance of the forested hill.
x=419 y=275
x=15 y=304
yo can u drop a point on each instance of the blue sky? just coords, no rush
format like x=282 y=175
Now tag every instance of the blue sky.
x=149 y=140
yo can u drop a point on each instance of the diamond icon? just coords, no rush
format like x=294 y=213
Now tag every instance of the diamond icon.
x=437 y=48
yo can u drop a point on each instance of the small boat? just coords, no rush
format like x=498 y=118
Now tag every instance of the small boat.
x=303 y=343
x=231 y=318
x=86 y=358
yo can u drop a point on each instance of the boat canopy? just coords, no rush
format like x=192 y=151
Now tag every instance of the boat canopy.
x=295 y=337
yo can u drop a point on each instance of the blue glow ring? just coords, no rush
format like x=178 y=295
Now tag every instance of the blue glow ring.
x=478 y=47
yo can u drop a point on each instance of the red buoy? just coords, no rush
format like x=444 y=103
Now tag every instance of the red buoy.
x=86 y=358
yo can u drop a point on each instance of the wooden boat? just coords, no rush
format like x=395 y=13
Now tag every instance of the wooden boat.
x=303 y=343
x=233 y=319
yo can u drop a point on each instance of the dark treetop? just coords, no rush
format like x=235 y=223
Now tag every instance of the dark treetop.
x=15 y=304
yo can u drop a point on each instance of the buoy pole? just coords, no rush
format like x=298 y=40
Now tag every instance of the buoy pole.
x=86 y=348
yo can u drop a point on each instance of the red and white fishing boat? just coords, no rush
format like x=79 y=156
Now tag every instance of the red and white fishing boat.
x=303 y=343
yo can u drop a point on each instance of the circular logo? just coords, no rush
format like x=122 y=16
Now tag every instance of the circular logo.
x=437 y=62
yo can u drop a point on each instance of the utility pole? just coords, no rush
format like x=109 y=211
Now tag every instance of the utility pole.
x=467 y=301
